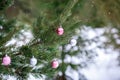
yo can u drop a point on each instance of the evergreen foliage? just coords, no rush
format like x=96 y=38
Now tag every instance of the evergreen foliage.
x=43 y=17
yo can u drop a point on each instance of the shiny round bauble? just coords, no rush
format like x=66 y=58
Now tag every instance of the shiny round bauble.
x=55 y=64
x=6 y=60
x=73 y=42
x=33 y=61
x=60 y=31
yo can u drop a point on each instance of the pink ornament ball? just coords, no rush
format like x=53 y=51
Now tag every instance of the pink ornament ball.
x=55 y=64
x=60 y=31
x=6 y=60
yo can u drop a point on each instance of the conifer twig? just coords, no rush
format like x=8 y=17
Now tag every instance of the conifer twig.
x=67 y=11
x=9 y=36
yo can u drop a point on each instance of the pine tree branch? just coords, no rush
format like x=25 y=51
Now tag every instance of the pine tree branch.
x=31 y=44
x=36 y=43
x=67 y=11
x=9 y=36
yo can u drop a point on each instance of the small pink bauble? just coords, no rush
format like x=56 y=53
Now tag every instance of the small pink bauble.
x=60 y=31
x=55 y=64
x=6 y=60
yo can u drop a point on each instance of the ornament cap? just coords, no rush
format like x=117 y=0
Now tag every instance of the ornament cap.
x=60 y=26
x=6 y=55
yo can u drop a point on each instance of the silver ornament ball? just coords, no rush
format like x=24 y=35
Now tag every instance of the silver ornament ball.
x=33 y=61
x=73 y=42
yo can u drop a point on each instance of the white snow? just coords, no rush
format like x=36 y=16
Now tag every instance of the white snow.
x=105 y=67
x=21 y=40
x=106 y=63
